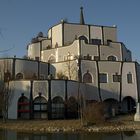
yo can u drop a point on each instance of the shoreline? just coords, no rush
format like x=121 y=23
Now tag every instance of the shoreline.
x=70 y=126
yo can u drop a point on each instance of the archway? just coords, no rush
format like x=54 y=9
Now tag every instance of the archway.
x=58 y=108
x=111 y=107
x=40 y=107
x=72 y=108
x=128 y=105
x=23 y=108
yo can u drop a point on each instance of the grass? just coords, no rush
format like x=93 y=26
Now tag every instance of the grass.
x=119 y=123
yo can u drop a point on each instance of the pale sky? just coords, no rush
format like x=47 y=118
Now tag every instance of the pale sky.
x=21 y=20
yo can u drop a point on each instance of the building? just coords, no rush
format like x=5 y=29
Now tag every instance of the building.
x=74 y=61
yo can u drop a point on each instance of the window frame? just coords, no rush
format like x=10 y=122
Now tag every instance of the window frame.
x=19 y=76
x=89 y=75
x=103 y=81
x=113 y=56
x=129 y=79
x=118 y=78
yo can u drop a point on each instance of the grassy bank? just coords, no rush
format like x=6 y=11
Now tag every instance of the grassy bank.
x=119 y=123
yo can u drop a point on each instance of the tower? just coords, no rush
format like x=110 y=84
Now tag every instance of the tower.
x=82 y=16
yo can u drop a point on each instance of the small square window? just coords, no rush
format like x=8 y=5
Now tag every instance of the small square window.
x=95 y=41
x=37 y=58
x=88 y=57
x=103 y=78
x=96 y=58
x=116 y=78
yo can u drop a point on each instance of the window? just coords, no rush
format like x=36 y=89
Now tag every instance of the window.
x=19 y=76
x=51 y=59
x=88 y=57
x=129 y=78
x=95 y=41
x=103 y=78
x=83 y=38
x=96 y=58
x=108 y=41
x=87 y=78
x=23 y=107
x=116 y=78
x=111 y=58
x=40 y=107
x=37 y=58
x=58 y=107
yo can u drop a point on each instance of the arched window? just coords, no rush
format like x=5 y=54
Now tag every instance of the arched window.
x=111 y=58
x=23 y=107
x=72 y=108
x=40 y=107
x=58 y=108
x=52 y=59
x=19 y=76
x=87 y=78
x=83 y=38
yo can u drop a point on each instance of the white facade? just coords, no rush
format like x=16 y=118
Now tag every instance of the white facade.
x=73 y=60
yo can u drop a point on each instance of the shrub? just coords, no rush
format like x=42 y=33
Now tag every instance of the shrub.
x=60 y=75
x=94 y=113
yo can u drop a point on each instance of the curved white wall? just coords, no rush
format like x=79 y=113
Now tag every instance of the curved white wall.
x=129 y=89
x=114 y=49
x=74 y=30
x=110 y=89
x=17 y=89
x=34 y=50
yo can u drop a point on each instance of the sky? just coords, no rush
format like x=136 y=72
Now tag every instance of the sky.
x=21 y=20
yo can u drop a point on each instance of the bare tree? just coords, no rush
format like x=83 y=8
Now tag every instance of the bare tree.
x=71 y=70
x=5 y=99
x=60 y=75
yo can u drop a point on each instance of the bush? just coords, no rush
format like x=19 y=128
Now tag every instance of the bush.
x=94 y=113
x=60 y=75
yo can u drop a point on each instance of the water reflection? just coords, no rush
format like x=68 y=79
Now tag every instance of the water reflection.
x=12 y=135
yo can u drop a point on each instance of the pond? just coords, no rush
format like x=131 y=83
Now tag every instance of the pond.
x=12 y=135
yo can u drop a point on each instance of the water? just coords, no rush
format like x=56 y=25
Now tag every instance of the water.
x=12 y=135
